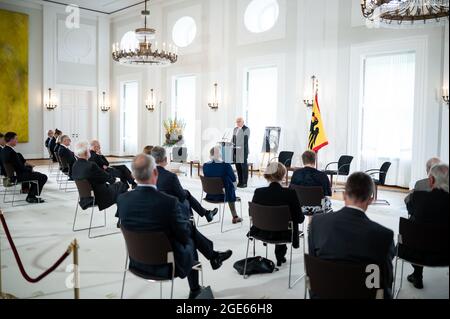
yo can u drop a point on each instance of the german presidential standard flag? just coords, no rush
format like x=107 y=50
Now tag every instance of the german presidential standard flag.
x=317 y=135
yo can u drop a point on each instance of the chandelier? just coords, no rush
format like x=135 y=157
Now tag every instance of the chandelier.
x=145 y=52
x=404 y=13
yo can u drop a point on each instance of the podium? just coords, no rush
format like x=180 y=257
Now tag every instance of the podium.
x=227 y=150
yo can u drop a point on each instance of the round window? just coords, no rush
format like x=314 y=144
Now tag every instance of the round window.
x=129 y=41
x=184 y=32
x=261 y=15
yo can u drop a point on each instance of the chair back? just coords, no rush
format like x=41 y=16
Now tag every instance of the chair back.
x=383 y=172
x=338 y=280
x=212 y=185
x=344 y=165
x=149 y=248
x=84 y=188
x=270 y=218
x=285 y=158
x=309 y=195
x=9 y=170
x=425 y=241
x=179 y=154
x=64 y=163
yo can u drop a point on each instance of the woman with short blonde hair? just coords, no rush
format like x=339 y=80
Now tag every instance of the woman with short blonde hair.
x=275 y=172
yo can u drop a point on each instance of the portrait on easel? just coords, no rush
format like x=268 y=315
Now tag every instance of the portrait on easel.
x=271 y=140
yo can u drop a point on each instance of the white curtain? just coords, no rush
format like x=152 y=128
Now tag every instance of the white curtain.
x=388 y=105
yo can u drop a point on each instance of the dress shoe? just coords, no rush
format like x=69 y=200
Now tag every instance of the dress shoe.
x=35 y=200
x=281 y=262
x=195 y=293
x=237 y=220
x=417 y=282
x=210 y=214
x=217 y=261
x=242 y=186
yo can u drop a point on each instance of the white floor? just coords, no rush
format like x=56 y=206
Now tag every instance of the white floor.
x=43 y=232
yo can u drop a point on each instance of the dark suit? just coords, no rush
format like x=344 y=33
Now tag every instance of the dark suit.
x=241 y=151
x=51 y=147
x=147 y=209
x=69 y=157
x=169 y=183
x=105 y=194
x=23 y=172
x=310 y=177
x=47 y=141
x=2 y=169
x=276 y=195
x=428 y=208
x=225 y=171
x=120 y=171
x=349 y=235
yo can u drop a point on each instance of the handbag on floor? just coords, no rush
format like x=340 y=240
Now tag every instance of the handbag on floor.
x=255 y=265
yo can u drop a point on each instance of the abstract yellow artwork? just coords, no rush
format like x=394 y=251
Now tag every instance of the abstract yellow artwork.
x=14 y=73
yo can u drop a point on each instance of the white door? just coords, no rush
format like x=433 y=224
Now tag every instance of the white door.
x=75 y=118
x=129 y=118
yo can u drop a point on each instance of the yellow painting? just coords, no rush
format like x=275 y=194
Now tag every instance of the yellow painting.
x=14 y=74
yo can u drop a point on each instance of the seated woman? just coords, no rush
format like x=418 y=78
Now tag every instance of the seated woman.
x=148 y=150
x=276 y=195
x=309 y=176
x=217 y=168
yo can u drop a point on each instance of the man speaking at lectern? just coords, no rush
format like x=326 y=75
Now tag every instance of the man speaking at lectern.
x=241 y=135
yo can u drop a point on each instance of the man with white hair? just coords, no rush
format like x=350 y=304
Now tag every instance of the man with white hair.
x=430 y=208
x=146 y=209
x=66 y=155
x=423 y=185
x=241 y=136
x=106 y=190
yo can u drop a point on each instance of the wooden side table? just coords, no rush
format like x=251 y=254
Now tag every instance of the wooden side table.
x=290 y=169
x=197 y=163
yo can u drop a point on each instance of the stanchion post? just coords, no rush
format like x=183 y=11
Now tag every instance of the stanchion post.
x=3 y=295
x=76 y=278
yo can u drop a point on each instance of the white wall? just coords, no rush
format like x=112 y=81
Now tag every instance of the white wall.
x=33 y=148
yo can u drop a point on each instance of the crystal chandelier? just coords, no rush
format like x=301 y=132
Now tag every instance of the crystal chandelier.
x=404 y=13
x=146 y=52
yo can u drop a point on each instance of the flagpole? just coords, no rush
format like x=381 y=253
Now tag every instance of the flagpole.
x=316 y=92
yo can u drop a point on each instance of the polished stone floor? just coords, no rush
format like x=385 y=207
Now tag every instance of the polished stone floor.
x=43 y=232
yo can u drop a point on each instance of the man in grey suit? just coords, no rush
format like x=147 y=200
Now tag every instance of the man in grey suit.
x=423 y=185
x=241 y=136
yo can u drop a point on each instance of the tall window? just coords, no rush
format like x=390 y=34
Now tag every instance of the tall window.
x=388 y=105
x=260 y=100
x=129 y=117
x=183 y=108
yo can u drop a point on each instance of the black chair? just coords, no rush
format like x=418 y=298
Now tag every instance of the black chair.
x=272 y=219
x=153 y=249
x=11 y=182
x=381 y=181
x=66 y=169
x=214 y=186
x=343 y=169
x=423 y=245
x=326 y=279
x=284 y=158
x=86 y=199
x=310 y=198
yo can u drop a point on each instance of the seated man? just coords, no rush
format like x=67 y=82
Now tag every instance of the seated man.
x=217 y=168
x=65 y=154
x=2 y=145
x=423 y=185
x=169 y=183
x=23 y=172
x=50 y=134
x=106 y=190
x=52 y=144
x=147 y=209
x=349 y=235
x=430 y=208
x=119 y=171
x=309 y=176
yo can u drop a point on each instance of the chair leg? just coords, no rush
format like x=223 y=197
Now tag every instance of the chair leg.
x=104 y=225
x=171 y=289
x=267 y=251
x=246 y=258
x=124 y=277
x=160 y=290
x=291 y=285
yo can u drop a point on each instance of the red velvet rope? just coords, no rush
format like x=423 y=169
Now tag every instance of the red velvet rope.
x=19 y=262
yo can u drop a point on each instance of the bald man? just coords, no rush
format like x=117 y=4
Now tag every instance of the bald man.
x=241 y=136
x=119 y=171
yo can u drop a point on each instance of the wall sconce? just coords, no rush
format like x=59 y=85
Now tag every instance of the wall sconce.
x=51 y=104
x=215 y=104
x=104 y=107
x=445 y=95
x=150 y=103
x=309 y=99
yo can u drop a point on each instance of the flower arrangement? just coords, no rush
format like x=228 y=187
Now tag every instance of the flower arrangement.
x=173 y=131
